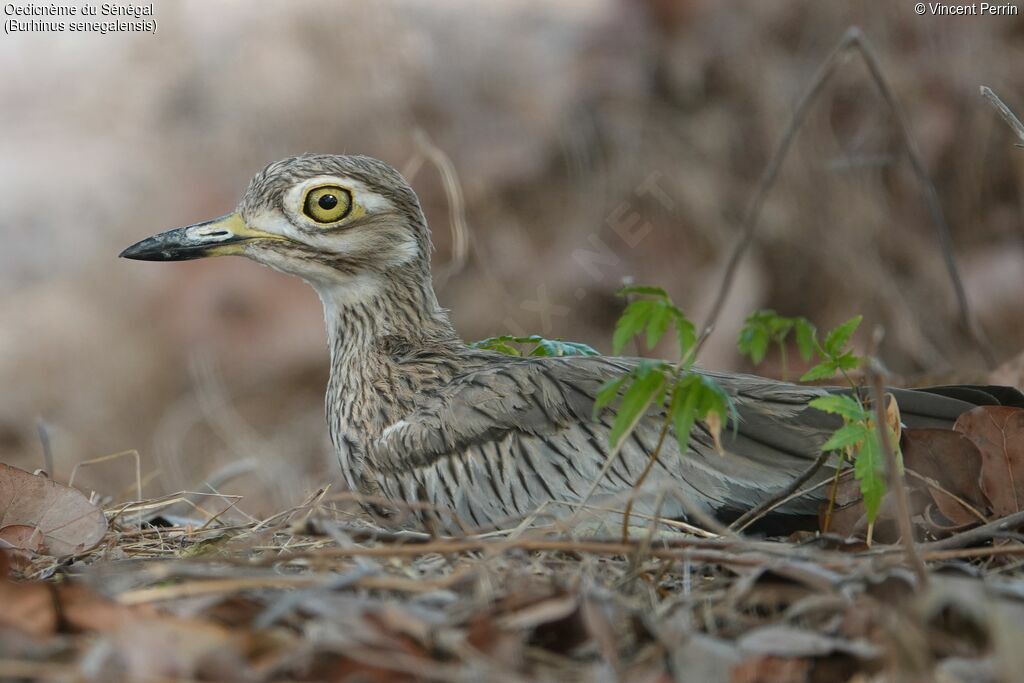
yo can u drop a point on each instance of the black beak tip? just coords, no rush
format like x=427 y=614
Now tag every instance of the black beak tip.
x=158 y=248
x=139 y=251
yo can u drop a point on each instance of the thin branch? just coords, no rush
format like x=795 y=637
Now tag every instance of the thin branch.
x=1004 y=111
x=44 y=438
x=783 y=496
x=771 y=172
x=931 y=196
x=897 y=485
x=456 y=205
x=643 y=476
x=853 y=39
x=979 y=534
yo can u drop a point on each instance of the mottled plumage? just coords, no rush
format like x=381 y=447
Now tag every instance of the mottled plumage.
x=417 y=415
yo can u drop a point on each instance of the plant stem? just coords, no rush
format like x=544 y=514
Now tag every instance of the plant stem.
x=896 y=482
x=785 y=360
x=643 y=475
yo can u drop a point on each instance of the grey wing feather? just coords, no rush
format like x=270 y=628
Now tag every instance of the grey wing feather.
x=500 y=441
x=521 y=433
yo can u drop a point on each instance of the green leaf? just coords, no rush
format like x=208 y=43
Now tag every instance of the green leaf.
x=822 y=370
x=686 y=332
x=869 y=470
x=542 y=346
x=498 y=344
x=577 y=349
x=684 y=402
x=850 y=434
x=840 y=404
x=717 y=400
x=558 y=348
x=848 y=361
x=632 y=321
x=607 y=393
x=779 y=327
x=658 y=323
x=695 y=397
x=647 y=388
x=805 y=334
x=838 y=337
x=753 y=342
x=644 y=290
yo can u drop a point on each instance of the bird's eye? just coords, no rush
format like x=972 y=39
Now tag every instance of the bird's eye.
x=327 y=203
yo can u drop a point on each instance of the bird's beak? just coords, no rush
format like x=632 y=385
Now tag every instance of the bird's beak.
x=219 y=237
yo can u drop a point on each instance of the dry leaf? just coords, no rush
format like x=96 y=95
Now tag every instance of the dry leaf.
x=850 y=517
x=27 y=607
x=998 y=432
x=713 y=422
x=21 y=536
x=67 y=522
x=953 y=462
x=892 y=416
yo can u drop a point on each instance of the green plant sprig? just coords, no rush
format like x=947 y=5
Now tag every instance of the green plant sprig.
x=687 y=396
x=857 y=439
x=539 y=346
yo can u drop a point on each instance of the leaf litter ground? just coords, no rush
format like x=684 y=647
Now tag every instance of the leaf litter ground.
x=325 y=591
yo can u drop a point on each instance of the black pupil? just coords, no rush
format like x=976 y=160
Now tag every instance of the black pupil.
x=327 y=202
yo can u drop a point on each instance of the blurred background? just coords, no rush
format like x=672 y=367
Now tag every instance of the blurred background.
x=592 y=141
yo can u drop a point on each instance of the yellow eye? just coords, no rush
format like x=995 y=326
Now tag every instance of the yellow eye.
x=327 y=203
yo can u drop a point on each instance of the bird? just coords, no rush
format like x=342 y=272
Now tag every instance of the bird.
x=484 y=439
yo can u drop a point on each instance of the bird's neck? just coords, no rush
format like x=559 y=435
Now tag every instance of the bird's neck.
x=388 y=343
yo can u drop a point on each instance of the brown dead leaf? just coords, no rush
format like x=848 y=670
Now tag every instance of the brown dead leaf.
x=66 y=521
x=40 y=609
x=22 y=536
x=998 y=432
x=954 y=463
x=850 y=517
x=82 y=609
x=893 y=417
x=28 y=607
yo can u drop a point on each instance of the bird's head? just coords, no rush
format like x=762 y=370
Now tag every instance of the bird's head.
x=348 y=222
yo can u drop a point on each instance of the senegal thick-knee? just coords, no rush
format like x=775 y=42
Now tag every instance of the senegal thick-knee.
x=417 y=415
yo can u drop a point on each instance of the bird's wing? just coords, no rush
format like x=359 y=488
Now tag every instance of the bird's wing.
x=501 y=440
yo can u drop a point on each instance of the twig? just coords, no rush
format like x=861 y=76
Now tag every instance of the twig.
x=1004 y=111
x=692 y=548
x=762 y=509
x=643 y=476
x=833 y=491
x=931 y=197
x=896 y=483
x=969 y=553
x=771 y=172
x=114 y=456
x=44 y=438
x=456 y=204
x=979 y=534
x=853 y=39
